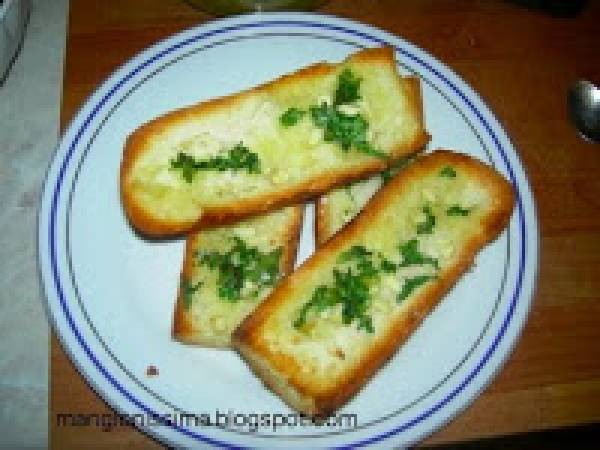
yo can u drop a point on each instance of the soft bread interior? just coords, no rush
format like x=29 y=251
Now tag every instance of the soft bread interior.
x=202 y=315
x=295 y=161
x=328 y=360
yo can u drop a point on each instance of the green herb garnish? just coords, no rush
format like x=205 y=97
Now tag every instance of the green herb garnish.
x=457 y=210
x=363 y=259
x=324 y=297
x=351 y=290
x=427 y=226
x=291 y=117
x=351 y=286
x=411 y=256
x=356 y=252
x=238 y=158
x=387 y=266
x=448 y=172
x=348 y=131
x=188 y=290
x=242 y=264
x=410 y=284
x=347 y=89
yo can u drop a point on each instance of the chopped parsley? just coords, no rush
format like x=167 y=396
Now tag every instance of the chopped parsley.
x=457 y=210
x=387 y=266
x=448 y=172
x=356 y=252
x=351 y=290
x=188 y=291
x=324 y=297
x=291 y=117
x=238 y=158
x=364 y=260
x=411 y=256
x=347 y=89
x=241 y=267
x=426 y=227
x=351 y=283
x=410 y=284
x=349 y=131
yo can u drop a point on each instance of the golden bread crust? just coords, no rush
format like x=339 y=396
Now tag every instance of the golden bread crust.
x=323 y=224
x=282 y=373
x=183 y=329
x=140 y=140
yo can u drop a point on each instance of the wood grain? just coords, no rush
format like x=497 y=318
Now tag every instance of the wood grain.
x=521 y=62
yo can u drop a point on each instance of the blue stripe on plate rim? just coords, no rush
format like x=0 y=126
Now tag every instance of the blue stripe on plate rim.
x=307 y=23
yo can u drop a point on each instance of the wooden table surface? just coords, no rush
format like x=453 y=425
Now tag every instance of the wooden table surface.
x=521 y=62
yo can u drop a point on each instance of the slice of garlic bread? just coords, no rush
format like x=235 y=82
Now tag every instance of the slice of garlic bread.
x=274 y=145
x=339 y=206
x=330 y=325
x=229 y=270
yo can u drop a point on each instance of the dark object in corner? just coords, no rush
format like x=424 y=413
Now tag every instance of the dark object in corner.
x=578 y=437
x=556 y=8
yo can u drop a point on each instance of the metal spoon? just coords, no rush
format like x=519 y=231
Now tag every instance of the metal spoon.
x=584 y=108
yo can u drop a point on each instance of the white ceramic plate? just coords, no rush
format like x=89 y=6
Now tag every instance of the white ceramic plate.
x=110 y=293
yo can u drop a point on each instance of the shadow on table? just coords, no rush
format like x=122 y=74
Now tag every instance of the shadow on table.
x=581 y=437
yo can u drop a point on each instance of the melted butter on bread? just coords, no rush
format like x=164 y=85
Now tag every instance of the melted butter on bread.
x=293 y=160
x=336 y=358
x=385 y=236
x=208 y=319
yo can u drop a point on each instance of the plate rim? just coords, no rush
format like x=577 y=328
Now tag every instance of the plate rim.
x=337 y=24
x=424 y=394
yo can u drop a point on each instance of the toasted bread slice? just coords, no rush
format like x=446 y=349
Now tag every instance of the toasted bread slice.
x=339 y=206
x=271 y=146
x=229 y=270
x=330 y=325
